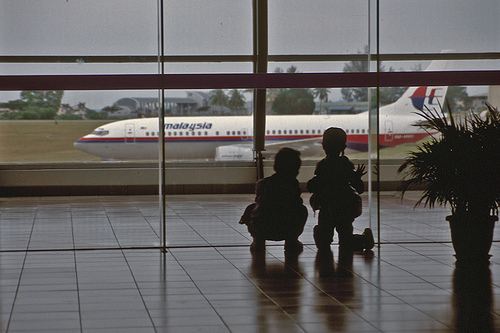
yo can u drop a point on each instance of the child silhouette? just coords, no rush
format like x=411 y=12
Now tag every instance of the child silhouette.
x=278 y=212
x=333 y=185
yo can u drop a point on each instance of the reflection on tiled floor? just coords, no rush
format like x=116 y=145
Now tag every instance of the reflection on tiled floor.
x=89 y=264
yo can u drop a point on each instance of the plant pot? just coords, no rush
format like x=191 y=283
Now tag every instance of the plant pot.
x=471 y=238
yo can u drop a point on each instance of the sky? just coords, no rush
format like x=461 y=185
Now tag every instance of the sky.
x=194 y=27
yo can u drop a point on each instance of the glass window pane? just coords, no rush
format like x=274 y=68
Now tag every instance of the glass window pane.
x=206 y=27
x=307 y=67
x=123 y=125
x=87 y=27
x=208 y=67
x=78 y=67
x=428 y=26
x=317 y=27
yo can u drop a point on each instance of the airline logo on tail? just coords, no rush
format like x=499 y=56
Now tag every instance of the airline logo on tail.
x=420 y=94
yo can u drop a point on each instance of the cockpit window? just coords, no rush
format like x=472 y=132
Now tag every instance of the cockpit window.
x=100 y=132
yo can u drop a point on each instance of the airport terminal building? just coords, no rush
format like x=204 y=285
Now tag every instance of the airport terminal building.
x=102 y=245
x=196 y=103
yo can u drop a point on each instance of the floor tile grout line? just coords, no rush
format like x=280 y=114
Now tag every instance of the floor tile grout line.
x=139 y=290
x=298 y=274
x=418 y=277
x=147 y=221
x=314 y=285
x=21 y=273
x=201 y=292
x=202 y=246
x=76 y=274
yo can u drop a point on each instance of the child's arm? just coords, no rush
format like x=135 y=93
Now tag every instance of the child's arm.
x=313 y=185
x=356 y=181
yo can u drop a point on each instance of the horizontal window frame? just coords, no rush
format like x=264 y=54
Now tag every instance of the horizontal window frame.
x=247 y=81
x=244 y=58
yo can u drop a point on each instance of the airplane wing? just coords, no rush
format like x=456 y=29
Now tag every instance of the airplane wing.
x=308 y=147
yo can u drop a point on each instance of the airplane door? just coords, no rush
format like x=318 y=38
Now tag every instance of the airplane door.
x=129 y=133
x=389 y=131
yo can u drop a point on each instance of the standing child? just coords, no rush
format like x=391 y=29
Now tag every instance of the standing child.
x=278 y=212
x=333 y=185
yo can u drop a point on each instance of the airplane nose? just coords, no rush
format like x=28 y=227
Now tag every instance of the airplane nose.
x=78 y=144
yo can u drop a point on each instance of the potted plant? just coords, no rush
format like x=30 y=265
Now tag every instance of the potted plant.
x=459 y=166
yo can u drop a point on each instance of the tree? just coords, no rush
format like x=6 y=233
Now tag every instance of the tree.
x=46 y=112
x=43 y=98
x=236 y=100
x=15 y=105
x=108 y=109
x=43 y=103
x=92 y=114
x=387 y=95
x=218 y=97
x=357 y=94
x=322 y=94
x=272 y=93
x=294 y=101
x=458 y=98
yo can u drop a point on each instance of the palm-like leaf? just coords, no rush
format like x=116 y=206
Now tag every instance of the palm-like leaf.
x=460 y=167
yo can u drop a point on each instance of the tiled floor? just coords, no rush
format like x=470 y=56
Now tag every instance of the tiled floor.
x=89 y=264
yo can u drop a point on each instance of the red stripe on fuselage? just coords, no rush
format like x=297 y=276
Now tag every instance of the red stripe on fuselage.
x=388 y=140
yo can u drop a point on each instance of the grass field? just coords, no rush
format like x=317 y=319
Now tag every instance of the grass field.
x=44 y=141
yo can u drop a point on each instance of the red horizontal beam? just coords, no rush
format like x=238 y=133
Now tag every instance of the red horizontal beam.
x=246 y=81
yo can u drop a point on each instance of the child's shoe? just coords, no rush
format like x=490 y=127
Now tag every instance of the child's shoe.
x=293 y=246
x=368 y=242
x=321 y=242
x=258 y=245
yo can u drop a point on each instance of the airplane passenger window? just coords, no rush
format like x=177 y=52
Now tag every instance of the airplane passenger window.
x=346 y=131
x=307 y=131
x=279 y=131
x=296 y=132
x=239 y=133
x=206 y=133
x=227 y=133
x=274 y=131
x=217 y=133
x=363 y=131
x=169 y=134
x=357 y=131
x=301 y=131
x=234 y=132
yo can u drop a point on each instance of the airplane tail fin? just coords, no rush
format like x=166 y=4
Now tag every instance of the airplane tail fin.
x=415 y=99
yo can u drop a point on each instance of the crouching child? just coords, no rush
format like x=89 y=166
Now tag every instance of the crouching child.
x=278 y=212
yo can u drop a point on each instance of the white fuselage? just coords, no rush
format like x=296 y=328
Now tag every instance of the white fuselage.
x=198 y=137
x=230 y=137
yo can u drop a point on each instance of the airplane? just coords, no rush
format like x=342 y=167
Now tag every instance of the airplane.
x=229 y=138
